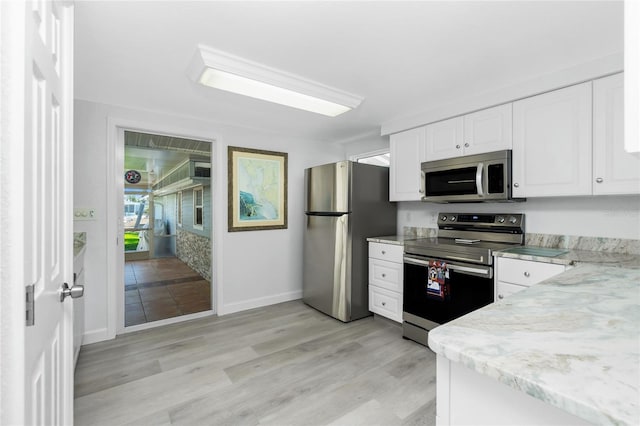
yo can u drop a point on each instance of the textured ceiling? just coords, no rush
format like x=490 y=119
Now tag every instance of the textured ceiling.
x=402 y=57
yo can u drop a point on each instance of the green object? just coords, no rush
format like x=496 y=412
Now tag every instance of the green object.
x=536 y=251
x=131 y=241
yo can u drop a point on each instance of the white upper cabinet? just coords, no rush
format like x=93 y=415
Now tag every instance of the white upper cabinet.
x=405 y=176
x=615 y=171
x=488 y=130
x=552 y=143
x=482 y=131
x=444 y=139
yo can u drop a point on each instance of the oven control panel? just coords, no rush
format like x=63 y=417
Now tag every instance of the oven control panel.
x=481 y=219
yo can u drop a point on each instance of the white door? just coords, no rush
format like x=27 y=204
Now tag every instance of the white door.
x=488 y=130
x=444 y=139
x=552 y=143
x=42 y=108
x=406 y=153
x=615 y=171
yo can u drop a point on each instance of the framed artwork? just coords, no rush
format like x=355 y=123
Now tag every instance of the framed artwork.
x=257 y=189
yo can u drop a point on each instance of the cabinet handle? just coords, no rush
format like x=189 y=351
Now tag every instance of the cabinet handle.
x=384 y=275
x=384 y=303
x=516 y=185
x=457 y=146
x=527 y=274
x=466 y=145
x=384 y=252
x=599 y=180
x=500 y=297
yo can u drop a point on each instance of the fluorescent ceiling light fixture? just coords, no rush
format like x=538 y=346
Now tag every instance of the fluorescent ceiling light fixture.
x=221 y=70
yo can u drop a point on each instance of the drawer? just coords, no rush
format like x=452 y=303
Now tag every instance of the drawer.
x=504 y=290
x=386 y=303
x=385 y=274
x=388 y=252
x=525 y=272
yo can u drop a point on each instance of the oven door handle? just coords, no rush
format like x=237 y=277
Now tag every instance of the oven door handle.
x=478 y=271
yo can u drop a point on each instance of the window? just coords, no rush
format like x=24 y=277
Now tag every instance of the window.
x=179 y=208
x=198 y=209
x=377 y=158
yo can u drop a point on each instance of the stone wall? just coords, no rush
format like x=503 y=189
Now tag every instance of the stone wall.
x=195 y=251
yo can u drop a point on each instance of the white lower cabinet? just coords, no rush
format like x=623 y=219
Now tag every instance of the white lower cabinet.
x=385 y=280
x=514 y=275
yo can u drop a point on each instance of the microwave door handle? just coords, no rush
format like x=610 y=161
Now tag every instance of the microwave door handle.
x=479 y=179
x=423 y=177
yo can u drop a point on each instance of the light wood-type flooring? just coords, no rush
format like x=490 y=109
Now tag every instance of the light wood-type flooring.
x=285 y=364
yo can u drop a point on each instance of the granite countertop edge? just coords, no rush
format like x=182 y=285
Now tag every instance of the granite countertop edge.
x=512 y=327
x=575 y=257
x=397 y=240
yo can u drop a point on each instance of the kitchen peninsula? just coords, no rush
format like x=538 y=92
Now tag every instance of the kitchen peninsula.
x=563 y=351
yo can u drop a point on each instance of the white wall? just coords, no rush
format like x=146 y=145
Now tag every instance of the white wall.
x=256 y=267
x=367 y=143
x=611 y=217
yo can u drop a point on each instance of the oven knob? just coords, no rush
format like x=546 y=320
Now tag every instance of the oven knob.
x=513 y=220
x=443 y=218
x=452 y=218
x=500 y=219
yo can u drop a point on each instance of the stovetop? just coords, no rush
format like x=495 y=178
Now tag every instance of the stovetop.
x=470 y=237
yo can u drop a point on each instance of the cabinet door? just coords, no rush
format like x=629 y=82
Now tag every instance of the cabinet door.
x=552 y=143
x=444 y=139
x=488 y=130
x=615 y=171
x=504 y=290
x=405 y=177
x=526 y=272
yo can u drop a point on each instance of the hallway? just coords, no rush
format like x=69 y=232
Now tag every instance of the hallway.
x=163 y=288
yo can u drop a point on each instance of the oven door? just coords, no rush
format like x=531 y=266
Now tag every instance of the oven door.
x=470 y=288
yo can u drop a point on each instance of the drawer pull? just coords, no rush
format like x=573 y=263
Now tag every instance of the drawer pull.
x=384 y=275
x=384 y=252
x=384 y=303
x=527 y=274
x=500 y=296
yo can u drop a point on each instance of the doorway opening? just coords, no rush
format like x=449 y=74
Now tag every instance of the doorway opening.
x=167 y=228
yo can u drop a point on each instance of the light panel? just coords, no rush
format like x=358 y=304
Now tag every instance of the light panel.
x=224 y=71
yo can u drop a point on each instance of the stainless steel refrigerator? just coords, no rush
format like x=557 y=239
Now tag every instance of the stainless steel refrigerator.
x=345 y=203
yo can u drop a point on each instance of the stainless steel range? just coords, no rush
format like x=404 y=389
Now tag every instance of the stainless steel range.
x=451 y=275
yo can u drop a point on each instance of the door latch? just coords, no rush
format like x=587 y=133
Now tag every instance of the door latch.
x=30 y=307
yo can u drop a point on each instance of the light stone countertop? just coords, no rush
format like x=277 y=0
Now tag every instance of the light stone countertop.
x=79 y=242
x=572 y=341
x=572 y=257
x=391 y=239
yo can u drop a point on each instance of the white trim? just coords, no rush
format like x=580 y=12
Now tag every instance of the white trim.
x=259 y=302
x=94 y=336
x=12 y=133
x=578 y=74
x=167 y=321
x=198 y=226
x=631 y=76
x=382 y=151
x=115 y=155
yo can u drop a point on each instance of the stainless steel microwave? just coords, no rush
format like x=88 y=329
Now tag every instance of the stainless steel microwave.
x=473 y=178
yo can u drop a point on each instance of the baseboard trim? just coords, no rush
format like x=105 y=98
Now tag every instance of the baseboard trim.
x=95 y=336
x=230 y=308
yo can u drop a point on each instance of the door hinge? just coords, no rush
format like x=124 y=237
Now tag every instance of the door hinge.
x=30 y=305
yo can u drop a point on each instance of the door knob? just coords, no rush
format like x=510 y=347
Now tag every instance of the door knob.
x=75 y=291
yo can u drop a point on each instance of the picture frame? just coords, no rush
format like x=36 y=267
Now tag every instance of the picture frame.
x=257 y=189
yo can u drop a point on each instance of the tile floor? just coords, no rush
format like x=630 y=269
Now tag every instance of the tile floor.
x=163 y=288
